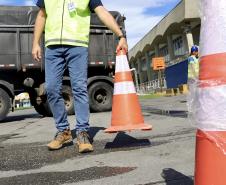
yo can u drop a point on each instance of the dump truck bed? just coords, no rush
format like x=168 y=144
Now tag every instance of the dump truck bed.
x=16 y=35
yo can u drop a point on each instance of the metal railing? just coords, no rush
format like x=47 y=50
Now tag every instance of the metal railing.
x=153 y=86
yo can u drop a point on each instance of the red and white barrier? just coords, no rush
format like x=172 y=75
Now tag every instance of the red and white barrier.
x=210 y=109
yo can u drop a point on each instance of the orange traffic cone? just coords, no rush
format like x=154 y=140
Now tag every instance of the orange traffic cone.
x=126 y=111
x=210 y=163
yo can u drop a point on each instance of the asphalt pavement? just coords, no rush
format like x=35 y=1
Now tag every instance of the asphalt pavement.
x=164 y=155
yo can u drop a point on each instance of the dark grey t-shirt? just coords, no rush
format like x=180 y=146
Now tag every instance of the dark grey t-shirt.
x=92 y=4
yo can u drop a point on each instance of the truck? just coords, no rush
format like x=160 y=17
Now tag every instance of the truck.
x=20 y=73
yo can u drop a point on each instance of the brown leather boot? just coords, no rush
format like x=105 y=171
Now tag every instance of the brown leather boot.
x=83 y=142
x=60 y=140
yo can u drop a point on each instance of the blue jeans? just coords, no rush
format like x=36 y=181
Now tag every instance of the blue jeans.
x=57 y=59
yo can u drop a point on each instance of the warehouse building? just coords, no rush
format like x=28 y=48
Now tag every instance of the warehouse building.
x=171 y=38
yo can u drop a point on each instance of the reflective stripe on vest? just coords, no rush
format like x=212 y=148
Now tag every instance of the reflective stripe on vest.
x=193 y=67
x=67 y=27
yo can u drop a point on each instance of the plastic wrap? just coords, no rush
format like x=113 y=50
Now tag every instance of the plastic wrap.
x=207 y=95
x=206 y=103
x=207 y=106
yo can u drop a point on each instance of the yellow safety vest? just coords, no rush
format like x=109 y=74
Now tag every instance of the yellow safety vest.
x=193 y=67
x=67 y=22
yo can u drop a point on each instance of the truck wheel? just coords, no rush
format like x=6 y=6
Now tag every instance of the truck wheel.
x=68 y=99
x=44 y=105
x=5 y=104
x=68 y=102
x=41 y=104
x=100 y=96
x=40 y=109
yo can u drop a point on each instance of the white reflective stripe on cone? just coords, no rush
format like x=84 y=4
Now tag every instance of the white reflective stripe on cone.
x=213 y=39
x=122 y=64
x=210 y=113
x=124 y=88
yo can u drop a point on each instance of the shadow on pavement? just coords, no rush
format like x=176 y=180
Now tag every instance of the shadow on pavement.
x=171 y=113
x=36 y=155
x=57 y=178
x=92 y=132
x=20 y=117
x=123 y=140
x=173 y=177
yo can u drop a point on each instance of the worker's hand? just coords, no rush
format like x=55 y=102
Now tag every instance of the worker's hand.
x=37 y=52
x=122 y=45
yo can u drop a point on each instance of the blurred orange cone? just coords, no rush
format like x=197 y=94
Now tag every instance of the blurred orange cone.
x=210 y=162
x=126 y=111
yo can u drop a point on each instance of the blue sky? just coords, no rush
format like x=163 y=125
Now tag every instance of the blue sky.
x=161 y=9
x=141 y=15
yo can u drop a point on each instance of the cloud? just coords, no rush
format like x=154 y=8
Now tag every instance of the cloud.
x=18 y=2
x=28 y=3
x=5 y=2
x=138 y=20
x=140 y=15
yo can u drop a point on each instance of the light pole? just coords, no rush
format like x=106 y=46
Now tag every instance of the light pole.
x=136 y=78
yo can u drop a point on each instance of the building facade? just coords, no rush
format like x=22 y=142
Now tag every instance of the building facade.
x=171 y=38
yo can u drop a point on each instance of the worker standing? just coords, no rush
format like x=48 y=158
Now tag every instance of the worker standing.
x=193 y=74
x=67 y=25
x=193 y=64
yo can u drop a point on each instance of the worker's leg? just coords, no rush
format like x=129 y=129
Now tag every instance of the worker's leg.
x=77 y=58
x=192 y=95
x=54 y=69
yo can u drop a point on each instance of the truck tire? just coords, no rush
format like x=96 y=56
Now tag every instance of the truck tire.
x=43 y=108
x=5 y=104
x=68 y=99
x=100 y=96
